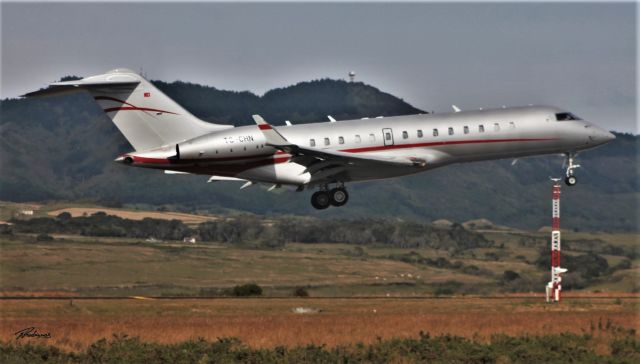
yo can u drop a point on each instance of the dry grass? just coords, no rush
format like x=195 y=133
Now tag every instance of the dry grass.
x=136 y=215
x=77 y=266
x=269 y=323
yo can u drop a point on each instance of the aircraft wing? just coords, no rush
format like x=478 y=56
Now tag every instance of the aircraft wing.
x=310 y=157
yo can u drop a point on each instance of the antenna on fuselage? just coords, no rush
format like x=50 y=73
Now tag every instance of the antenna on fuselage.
x=455 y=108
x=331 y=119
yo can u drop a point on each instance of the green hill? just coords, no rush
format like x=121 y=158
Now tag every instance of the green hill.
x=61 y=149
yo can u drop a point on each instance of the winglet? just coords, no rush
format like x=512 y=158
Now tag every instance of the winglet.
x=455 y=108
x=272 y=136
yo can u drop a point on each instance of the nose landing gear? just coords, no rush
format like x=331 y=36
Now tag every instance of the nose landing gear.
x=571 y=179
x=324 y=198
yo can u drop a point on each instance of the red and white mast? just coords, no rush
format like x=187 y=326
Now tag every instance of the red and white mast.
x=554 y=286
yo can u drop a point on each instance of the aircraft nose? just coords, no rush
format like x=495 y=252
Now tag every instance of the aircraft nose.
x=601 y=136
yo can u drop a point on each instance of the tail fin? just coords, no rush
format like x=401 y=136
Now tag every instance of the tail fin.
x=143 y=114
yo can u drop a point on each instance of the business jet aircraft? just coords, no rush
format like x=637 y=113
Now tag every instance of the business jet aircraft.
x=166 y=136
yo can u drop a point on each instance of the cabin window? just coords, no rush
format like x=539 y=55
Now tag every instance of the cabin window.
x=340 y=140
x=466 y=129
x=496 y=127
x=231 y=150
x=405 y=135
x=565 y=116
x=358 y=140
x=312 y=142
x=372 y=138
x=419 y=133
x=481 y=128
x=450 y=131
x=512 y=125
x=387 y=136
x=435 y=132
x=216 y=151
x=326 y=141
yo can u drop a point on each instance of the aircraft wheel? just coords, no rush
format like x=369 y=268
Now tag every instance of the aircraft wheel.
x=571 y=180
x=320 y=200
x=339 y=196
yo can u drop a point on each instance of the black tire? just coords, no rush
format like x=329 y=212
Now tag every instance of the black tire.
x=320 y=200
x=339 y=196
x=571 y=180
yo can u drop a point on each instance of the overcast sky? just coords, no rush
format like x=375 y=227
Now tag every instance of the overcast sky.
x=581 y=57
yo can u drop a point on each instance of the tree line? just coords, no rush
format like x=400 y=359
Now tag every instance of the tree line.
x=266 y=232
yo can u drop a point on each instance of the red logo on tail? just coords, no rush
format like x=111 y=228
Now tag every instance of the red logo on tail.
x=147 y=94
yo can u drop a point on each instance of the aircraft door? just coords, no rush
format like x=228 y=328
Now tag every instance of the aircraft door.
x=387 y=136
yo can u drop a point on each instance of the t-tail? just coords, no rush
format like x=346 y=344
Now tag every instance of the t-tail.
x=144 y=115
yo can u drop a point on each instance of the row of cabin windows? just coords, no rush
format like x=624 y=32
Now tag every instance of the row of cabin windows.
x=465 y=129
x=358 y=139
x=405 y=134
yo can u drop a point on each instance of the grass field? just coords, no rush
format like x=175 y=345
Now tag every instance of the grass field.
x=189 y=219
x=119 y=266
x=390 y=295
x=271 y=322
x=106 y=266
x=10 y=210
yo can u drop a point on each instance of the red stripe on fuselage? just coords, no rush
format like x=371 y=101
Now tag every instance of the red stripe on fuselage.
x=147 y=160
x=435 y=144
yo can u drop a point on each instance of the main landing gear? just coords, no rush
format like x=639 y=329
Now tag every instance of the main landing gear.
x=334 y=197
x=571 y=179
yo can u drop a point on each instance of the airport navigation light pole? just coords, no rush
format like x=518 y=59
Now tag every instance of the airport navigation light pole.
x=555 y=285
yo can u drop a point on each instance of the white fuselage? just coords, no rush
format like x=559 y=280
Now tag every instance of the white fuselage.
x=437 y=139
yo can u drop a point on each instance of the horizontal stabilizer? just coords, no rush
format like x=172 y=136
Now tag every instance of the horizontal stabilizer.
x=113 y=82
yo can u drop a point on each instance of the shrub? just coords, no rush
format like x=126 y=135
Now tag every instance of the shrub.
x=5 y=229
x=300 y=292
x=447 y=288
x=491 y=256
x=510 y=276
x=64 y=216
x=625 y=264
x=44 y=237
x=245 y=290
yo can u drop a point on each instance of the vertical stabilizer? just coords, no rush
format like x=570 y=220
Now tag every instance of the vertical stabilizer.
x=144 y=115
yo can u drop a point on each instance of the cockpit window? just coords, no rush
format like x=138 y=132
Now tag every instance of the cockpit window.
x=565 y=116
